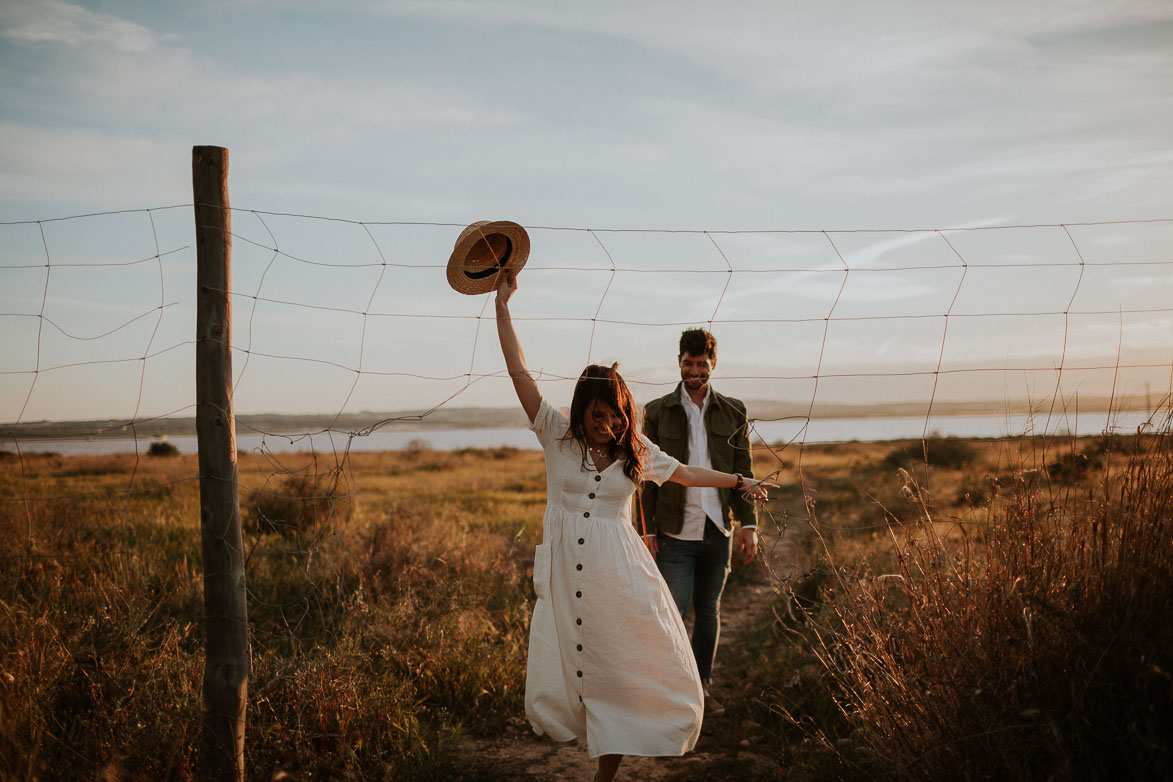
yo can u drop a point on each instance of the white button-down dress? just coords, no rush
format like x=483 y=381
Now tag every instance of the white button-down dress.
x=609 y=660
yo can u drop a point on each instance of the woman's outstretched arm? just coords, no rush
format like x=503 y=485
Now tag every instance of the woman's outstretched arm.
x=688 y=475
x=527 y=390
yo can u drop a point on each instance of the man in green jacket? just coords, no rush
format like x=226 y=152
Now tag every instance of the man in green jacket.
x=694 y=535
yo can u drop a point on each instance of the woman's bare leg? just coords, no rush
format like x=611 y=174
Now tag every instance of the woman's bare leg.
x=608 y=765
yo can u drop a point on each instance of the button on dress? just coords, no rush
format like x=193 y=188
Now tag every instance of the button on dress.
x=609 y=659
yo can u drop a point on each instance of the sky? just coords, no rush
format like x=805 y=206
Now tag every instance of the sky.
x=740 y=131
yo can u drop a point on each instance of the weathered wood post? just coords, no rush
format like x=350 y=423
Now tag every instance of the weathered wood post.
x=225 y=610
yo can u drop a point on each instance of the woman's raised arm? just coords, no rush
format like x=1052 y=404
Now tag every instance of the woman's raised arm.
x=527 y=390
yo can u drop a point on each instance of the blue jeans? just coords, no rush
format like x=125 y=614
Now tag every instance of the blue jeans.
x=696 y=570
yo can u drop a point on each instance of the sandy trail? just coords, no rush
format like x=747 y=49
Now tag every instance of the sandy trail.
x=521 y=755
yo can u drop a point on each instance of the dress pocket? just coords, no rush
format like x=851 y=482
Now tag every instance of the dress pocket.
x=542 y=571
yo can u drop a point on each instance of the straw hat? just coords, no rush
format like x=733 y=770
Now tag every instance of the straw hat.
x=482 y=251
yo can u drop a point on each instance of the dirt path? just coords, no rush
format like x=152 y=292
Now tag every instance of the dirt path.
x=520 y=755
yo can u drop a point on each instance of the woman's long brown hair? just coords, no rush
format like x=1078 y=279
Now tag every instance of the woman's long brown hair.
x=606 y=385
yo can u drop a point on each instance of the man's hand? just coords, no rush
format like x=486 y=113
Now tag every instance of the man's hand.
x=747 y=544
x=652 y=544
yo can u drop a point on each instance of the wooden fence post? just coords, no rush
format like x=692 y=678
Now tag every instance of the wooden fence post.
x=225 y=611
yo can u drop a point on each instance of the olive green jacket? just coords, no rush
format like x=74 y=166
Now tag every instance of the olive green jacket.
x=666 y=424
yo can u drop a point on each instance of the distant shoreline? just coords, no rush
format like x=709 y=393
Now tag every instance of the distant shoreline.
x=504 y=417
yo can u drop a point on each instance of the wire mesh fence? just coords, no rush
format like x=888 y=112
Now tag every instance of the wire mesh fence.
x=1025 y=329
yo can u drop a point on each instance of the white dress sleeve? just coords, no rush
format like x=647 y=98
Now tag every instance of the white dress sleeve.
x=549 y=425
x=658 y=466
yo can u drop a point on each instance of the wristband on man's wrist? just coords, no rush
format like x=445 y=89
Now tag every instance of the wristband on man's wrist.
x=740 y=482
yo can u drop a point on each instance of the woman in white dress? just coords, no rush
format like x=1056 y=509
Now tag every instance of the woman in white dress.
x=609 y=660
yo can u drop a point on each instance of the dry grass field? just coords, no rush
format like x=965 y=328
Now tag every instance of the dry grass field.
x=388 y=611
x=999 y=611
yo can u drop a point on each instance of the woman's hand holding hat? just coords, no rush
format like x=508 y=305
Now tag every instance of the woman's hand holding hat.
x=506 y=286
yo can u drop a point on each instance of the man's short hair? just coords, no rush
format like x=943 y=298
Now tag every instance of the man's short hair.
x=698 y=342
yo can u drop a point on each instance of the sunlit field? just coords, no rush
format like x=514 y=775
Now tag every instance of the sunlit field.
x=388 y=611
x=999 y=611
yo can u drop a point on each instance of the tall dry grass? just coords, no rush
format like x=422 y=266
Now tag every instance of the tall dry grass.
x=995 y=612
x=1033 y=640
x=388 y=608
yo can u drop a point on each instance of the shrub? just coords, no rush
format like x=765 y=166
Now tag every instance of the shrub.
x=417 y=445
x=977 y=490
x=162 y=448
x=297 y=504
x=419 y=455
x=499 y=453
x=949 y=453
x=1071 y=466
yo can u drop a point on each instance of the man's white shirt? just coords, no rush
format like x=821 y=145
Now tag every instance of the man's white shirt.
x=699 y=502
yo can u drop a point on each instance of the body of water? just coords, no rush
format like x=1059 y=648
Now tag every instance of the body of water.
x=819 y=430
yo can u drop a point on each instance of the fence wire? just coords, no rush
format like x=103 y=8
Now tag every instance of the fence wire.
x=273 y=298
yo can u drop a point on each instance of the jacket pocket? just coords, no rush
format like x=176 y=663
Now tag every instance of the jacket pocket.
x=721 y=426
x=670 y=428
x=542 y=571
x=722 y=432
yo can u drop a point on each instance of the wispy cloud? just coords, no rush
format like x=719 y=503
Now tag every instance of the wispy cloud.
x=68 y=24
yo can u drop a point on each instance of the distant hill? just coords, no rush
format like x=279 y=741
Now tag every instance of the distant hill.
x=496 y=417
